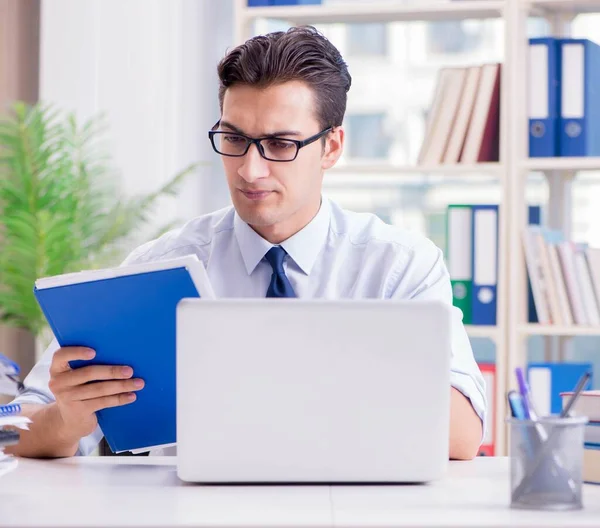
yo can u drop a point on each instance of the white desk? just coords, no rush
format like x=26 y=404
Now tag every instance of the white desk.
x=141 y=491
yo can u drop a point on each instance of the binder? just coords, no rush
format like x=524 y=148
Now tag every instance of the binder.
x=579 y=104
x=535 y=218
x=128 y=316
x=259 y=3
x=485 y=264
x=459 y=255
x=548 y=380
x=488 y=371
x=543 y=103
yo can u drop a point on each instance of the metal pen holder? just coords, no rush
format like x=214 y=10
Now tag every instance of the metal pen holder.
x=546 y=458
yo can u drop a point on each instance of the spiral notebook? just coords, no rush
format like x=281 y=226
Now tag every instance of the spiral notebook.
x=128 y=316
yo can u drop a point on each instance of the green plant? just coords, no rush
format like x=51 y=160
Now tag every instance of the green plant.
x=60 y=208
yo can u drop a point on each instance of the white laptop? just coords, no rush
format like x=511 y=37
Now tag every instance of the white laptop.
x=312 y=391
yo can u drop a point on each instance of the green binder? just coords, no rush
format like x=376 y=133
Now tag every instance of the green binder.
x=459 y=255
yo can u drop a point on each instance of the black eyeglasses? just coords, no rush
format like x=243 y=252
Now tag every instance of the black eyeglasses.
x=271 y=148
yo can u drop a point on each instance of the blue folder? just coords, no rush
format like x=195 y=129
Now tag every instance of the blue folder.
x=544 y=110
x=535 y=218
x=484 y=257
x=580 y=101
x=128 y=320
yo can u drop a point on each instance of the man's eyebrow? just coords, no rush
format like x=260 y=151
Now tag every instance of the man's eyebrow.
x=277 y=133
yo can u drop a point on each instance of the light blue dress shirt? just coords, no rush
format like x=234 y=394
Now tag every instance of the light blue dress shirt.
x=339 y=254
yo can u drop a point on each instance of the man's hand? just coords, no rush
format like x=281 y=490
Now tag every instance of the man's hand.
x=77 y=399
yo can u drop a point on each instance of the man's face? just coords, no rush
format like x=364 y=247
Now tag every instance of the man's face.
x=277 y=198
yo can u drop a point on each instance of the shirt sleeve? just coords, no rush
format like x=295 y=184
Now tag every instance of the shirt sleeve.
x=424 y=276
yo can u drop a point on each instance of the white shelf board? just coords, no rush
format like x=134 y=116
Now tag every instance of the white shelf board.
x=556 y=330
x=380 y=11
x=490 y=332
x=562 y=164
x=566 y=6
x=455 y=169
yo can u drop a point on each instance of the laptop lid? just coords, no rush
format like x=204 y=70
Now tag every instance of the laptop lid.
x=291 y=390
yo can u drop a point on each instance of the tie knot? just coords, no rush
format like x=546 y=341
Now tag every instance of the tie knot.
x=275 y=257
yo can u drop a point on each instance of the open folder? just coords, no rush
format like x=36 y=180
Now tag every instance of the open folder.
x=128 y=316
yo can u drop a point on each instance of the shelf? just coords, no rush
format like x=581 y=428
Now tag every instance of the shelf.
x=379 y=12
x=441 y=170
x=490 y=332
x=566 y=6
x=562 y=164
x=554 y=330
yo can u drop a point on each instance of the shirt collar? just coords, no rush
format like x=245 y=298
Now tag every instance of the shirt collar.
x=303 y=247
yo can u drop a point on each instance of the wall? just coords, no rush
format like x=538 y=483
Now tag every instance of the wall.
x=150 y=66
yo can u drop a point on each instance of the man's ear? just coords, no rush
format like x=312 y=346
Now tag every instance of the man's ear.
x=334 y=146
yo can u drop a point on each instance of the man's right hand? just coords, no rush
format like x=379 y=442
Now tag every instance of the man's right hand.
x=77 y=399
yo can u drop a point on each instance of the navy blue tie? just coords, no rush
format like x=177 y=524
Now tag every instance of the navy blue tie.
x=280 y=285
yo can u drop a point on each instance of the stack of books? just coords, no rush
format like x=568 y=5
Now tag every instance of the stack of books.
x=463 y=125
x=564 y=276
x=588 y=405
x=10 y=421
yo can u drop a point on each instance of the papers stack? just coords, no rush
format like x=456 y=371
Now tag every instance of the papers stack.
x=10 y=421
x=588 y=405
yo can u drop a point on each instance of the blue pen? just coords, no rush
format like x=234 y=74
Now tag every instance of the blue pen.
x=517 y=408
x=524 y=390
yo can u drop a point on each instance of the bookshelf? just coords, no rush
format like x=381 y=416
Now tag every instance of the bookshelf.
x=451 y=170
x=561 y=164
x=557 y=330
x=377 y=11
x=512 y=331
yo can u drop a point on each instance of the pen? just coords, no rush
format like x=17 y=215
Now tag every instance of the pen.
x=576 y=393
x=524 y=390
x=515 y=401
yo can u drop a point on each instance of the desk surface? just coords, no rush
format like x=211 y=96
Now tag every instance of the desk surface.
x=145 y=491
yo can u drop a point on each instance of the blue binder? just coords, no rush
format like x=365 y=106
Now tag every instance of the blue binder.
x=485 y=264
x=535 y=218
x=259 y=3
x=128 y=320
x=580 y=98
x=544 y=110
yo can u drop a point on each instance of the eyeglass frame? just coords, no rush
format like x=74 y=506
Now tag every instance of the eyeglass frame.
x=300 y=143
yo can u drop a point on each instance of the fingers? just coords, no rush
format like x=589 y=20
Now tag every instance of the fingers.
x=82 y=375
x=116 y=400
x=62 y=357
x=104 y=388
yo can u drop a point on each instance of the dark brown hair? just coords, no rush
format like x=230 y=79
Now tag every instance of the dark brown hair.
x=299 y=54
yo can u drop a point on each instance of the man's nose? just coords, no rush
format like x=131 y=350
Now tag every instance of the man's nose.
x=254 y=166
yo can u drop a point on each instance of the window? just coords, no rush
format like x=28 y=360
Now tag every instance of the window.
x=453 y=36
x=367 y=39
x=367 y=137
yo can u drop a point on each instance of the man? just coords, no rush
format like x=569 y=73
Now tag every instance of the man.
x=282 y=98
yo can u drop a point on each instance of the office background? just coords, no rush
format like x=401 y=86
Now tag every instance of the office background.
x=149 y=65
